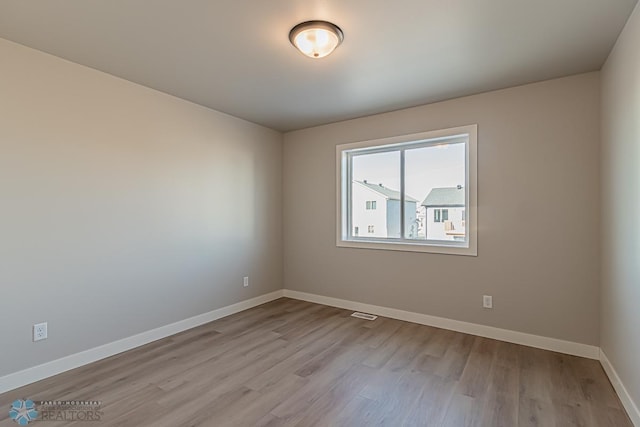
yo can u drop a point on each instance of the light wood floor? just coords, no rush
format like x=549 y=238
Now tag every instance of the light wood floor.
x=290 y=363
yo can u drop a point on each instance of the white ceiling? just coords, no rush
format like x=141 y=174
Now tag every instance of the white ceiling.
x=235 y=56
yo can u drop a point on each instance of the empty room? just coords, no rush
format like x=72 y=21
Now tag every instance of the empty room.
x=320 y=213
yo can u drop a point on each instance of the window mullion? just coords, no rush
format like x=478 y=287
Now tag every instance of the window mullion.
x=402 y=196
x=349 y=195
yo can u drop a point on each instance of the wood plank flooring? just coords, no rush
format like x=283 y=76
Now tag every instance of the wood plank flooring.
x=293 y=363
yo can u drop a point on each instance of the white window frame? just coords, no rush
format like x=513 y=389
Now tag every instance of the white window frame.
x=467 y=134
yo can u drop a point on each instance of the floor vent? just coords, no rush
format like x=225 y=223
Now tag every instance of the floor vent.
x=364 y=316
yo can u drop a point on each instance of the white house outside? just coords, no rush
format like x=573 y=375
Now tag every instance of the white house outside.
x=375 y=212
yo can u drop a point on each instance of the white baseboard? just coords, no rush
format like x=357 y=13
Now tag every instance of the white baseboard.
x=37 y=373
x=553 y=344
x=623 y=394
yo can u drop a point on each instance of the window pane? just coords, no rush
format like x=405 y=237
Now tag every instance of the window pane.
x=375 y=194
x=435 y=199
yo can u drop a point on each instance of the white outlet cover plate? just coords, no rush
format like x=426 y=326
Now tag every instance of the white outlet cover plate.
x=40 y=331
x=487 y=301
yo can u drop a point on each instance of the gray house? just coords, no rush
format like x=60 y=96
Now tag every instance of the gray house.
x=444 y=214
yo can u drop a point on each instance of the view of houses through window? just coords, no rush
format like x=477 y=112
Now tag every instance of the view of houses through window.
x=434 y=177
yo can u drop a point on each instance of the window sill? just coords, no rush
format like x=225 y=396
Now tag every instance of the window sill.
x=444 y=249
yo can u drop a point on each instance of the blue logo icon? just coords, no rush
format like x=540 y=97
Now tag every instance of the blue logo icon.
x=23 y=411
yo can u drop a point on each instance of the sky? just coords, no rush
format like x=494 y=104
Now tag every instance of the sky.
x=426 y=168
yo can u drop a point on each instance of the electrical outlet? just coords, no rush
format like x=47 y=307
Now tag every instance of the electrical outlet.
x=246 y=281
x=487 y=301
x=40 y=331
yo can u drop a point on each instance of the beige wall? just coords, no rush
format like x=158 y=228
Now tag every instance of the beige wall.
x=538 y=254
x=620 y=321
x=123 y=209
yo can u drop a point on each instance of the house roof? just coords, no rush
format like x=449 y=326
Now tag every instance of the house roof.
x=384 y=191
x=445 y=197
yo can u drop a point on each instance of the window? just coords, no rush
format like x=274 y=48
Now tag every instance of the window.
x=442 y=215
x=427 y=183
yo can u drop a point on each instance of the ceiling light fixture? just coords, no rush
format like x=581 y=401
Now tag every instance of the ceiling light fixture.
x=316 y=39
